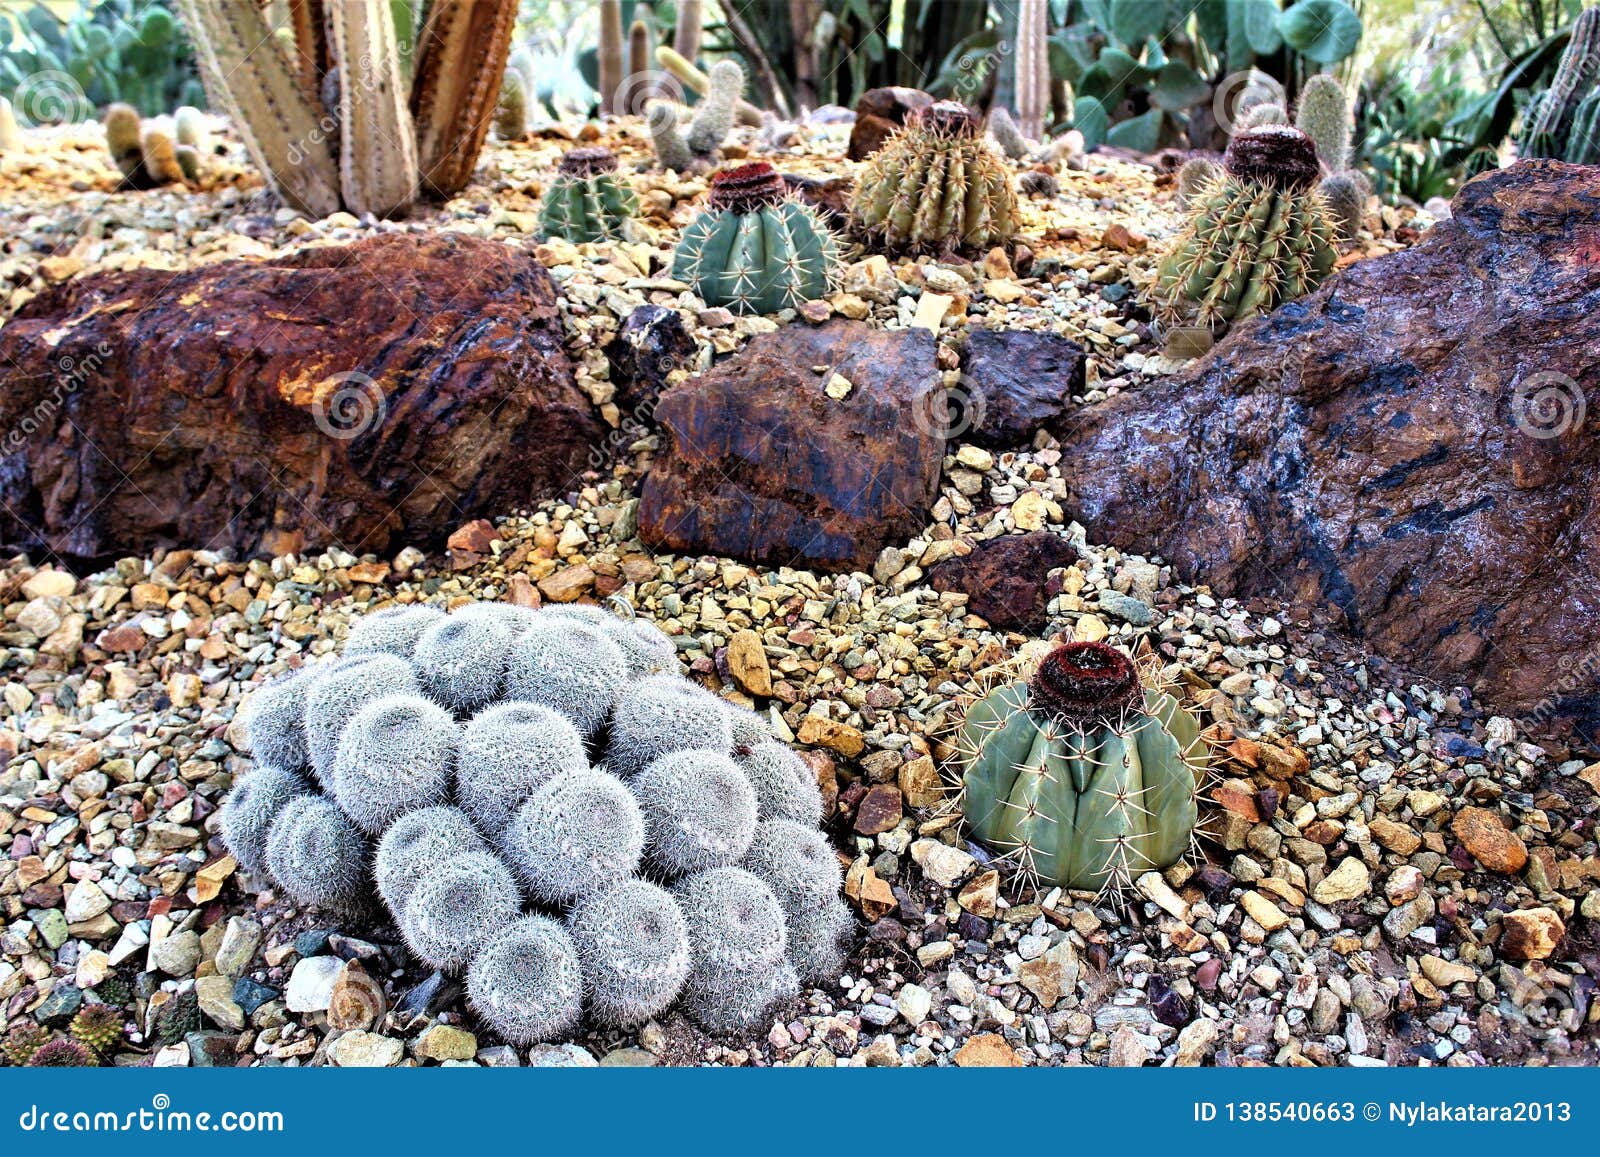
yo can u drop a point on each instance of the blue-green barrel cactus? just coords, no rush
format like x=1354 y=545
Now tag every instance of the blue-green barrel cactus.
x=586 y=201
x=756 y=250
x=1081 y=774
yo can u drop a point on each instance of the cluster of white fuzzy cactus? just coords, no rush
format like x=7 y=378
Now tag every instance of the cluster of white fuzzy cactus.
x=546 y=805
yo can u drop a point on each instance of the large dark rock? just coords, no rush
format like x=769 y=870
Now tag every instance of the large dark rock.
x=651 y=342
x=879 y=114
x=368 y=396
x=1018 y=382
x=762 y=464
x=1006 y=579
x=1412 y=446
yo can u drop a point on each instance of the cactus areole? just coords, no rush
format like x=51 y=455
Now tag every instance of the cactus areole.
x=1081 y=776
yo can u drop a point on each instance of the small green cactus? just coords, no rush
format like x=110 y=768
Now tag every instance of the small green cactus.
x=936 y=187
x=1583 y=138
x=1259 y=238
x=99 y=1028
x=1323 y=114
x=755 y=249
x=1081 y=775
x=1006 y=134
x=511 y=114
x=587 y=201
x=176 y=1018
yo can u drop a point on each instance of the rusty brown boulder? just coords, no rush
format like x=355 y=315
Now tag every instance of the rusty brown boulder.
x=762 y=463
x=1412 y=447
x=368 y=395
x=1007 y=580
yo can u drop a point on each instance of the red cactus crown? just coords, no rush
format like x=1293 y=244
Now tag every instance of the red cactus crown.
x=747 y=188
x=1084 y=681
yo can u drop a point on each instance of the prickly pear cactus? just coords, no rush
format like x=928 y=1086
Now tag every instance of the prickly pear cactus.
x=586 y=201
x=936 y=187
x=1081 y=774
x=756 y=250
x=1257 y=238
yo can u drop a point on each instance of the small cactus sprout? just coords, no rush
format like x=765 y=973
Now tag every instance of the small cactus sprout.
x=125 y=142
x=578 y=834
x=275 y=722
x=569 y=666
x=397 y=754
x=509 y=751
x=457 y=906
x=587 y=201
x=1256 y=239
x=161 y=159
x=417 y=842
x=1081 y=774
x=1197 y=175
x=393 y=630
x=755 y=249
x=699 y=811
x=936 y=187
x=250 y=809
x=317 y=855
x=644 y=645
x=633 y=945
x=785 y=787
x=664 y=713
x=22 y=1040
x=738 y=942
x=188 y=162
x=713 y=119
x=1323 y=114
x=511 y=114
x=192 y=130
x=672 y=151
x=525 y=983
x=99 y=1028
x=62 y=1054
x=338 y=691
x=1346 y=195
x=461 y=662
x=1038 y=183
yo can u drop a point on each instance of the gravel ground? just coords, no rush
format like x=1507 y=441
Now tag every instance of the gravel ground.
x=1391 y=875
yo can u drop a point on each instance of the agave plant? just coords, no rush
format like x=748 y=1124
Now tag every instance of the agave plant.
x=328 y=113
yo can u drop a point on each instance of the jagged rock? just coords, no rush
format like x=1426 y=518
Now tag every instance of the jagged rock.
x=1005 y=579
x=764 y=463
x=1018 y=382
x=650 y=344
x=366 y=394
x=1411 y=447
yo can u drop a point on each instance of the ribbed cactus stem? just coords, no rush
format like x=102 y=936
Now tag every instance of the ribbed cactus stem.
x=377 y=146
x=610 y=55
x=459 y=60
x=1033 y=66
x=713 y=121
x=1323 y=114
x=672 y=151
x=248 y=75
x=686 y=32
x=1544 y=132
x=1583 y=138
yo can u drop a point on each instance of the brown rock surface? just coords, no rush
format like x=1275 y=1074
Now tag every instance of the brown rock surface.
x=368 y=395
x=1004 y=579
x=1407 y=447
x=879 y=114
x=1531 y=934
x=761 y=464
x=1491 y=843
x=1018 y=381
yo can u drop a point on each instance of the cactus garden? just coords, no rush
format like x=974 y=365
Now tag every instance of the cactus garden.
x=901 y=533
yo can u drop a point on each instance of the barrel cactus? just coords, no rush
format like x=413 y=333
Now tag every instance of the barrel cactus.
x=1258 y=238
x=587 y=201
x=559 y=817
x=756 y=249
x=936 y=187
x=1082 y=775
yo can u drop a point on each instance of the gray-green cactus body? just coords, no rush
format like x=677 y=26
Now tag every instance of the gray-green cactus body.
x=587 y=201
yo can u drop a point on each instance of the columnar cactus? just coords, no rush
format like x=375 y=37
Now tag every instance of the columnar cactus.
x=1548 y=123
x=713 y=120
x=317 y=854
x=1323 y=114
x=511 y=113
x=935 y=187
x=610 y=56
x=145 y=158
x=1257 y=239
x=1081 y=774
x=526 y=981
x=1033 y=66
x=396 y=755
x=587 y=201
x=1346 y=196
x=633 y=945
x=756 y=249
x=699 y=811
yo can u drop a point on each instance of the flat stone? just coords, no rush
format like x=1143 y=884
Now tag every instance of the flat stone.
x=215 y=995
x=1531 y=934
x=310 y=987
x=879 y=810
x=240 y=939
x=1018 y=382
x=1349 y=881
x=818 y=731
x=1263 y=911
x=945 y=865
x=85 y=902
x=567 y=1056
x=1006 y=579
x=1444 y=972
x=178 y=954
x=987 y=1051
x=366 y=1050
x=747 y=661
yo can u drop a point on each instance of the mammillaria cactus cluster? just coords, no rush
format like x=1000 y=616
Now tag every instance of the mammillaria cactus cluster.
x=548 y=808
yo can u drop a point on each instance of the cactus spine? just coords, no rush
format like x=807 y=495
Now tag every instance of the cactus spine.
x=1257 y=239
x=587 y=201
x=611 y=54
x=756 y=250
x=1033 y=67
x=1081 y=775
x=1546 y=124
x=936 y=187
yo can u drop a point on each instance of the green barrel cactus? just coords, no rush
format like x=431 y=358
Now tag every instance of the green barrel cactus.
x=756 y=250
x=1083 y=775
x=586 y=201
x=1256 y=239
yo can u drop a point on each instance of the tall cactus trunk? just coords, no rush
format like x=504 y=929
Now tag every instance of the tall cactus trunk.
x=1033 y=67
x=249 y=76
x=377 y=145
x=309 y=23
x=686 y=33
x=610 y=61
x=460 y=58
